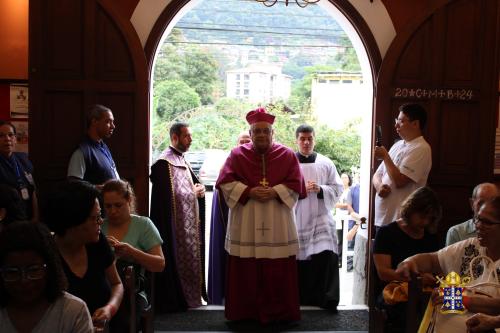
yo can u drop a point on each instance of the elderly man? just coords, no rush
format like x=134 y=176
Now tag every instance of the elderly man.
x=92 y=161
x=178 y=211
x=318 y=261
x=261 y=183
x=481 y=193
x=405 y=167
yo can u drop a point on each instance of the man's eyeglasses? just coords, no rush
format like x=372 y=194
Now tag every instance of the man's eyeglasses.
x=484 y=221
x=13 y=274
x=398 y=121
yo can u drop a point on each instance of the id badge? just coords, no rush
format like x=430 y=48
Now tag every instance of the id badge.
x=29 y=177
x=25 y=194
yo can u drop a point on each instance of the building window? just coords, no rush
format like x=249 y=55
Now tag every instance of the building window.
x=334 y=81
x=247 y=77
x=322 y=81
x=237 y=76
x=246 y=92
x=346 y=81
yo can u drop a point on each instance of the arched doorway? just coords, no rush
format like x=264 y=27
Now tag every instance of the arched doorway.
x=362 y=40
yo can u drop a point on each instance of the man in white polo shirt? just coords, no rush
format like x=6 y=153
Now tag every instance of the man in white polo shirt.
x=405 y=167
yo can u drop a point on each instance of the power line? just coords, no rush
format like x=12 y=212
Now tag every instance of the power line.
x=260 y=26
x=263 y=45
x=260 y=32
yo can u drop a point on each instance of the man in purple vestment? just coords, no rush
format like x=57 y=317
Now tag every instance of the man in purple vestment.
x=178 y=211
x=217 y=253
x=261 y=182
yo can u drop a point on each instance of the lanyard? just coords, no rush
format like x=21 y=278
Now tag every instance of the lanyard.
x=14 y=166
x=106 y=153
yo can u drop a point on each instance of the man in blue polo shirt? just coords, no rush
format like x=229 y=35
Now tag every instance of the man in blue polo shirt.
x=92 y=160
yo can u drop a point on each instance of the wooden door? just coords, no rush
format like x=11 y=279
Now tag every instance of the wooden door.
x=447 y=61
x=82 y=53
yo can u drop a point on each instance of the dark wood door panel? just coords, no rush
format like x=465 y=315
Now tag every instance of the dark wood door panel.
x=64 y=26
x=415 y=64
x=111 y=64
x=462 y=48
x=458 y=123
x=82 y=53
x=452 y=57
x=63 y=117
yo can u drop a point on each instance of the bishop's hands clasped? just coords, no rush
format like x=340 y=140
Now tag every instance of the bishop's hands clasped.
x=263 y=193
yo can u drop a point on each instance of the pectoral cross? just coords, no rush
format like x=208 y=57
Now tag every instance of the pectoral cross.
x=263 y=229
x=264 y=181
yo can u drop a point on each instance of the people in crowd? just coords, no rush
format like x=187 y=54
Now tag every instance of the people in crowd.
x=178 y=211
x=134 y=239
x=11 y=206
x=32 y=284
x=476 y=257
x=217 y=254
x=74 y=215
x=343 y=208
x=481 y=193
x=16 y=170
x=317 y=260
x=344 y=204
x=92 y=160
x=261 y=183
x=405 y=167
x=412 y=233
x=355 y=221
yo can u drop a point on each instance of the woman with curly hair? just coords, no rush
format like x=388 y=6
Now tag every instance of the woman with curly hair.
x=32 y=296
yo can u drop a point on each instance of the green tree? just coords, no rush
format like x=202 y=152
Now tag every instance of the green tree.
x=200 y=73
x=195 y=66
x=342 y=146
x=172 y=98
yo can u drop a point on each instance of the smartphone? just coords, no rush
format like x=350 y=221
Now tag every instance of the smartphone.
x=378 y=135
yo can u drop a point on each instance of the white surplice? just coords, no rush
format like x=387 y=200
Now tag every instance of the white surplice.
x=260 y=229
x=314 y=218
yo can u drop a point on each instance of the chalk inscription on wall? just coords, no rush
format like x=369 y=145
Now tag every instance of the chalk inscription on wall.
x=436 y=93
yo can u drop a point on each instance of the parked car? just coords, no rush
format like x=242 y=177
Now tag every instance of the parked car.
x=211 y=167
x=195 y=158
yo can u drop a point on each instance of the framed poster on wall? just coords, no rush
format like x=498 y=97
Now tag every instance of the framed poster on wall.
x=19 y=101
x=22 y=135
